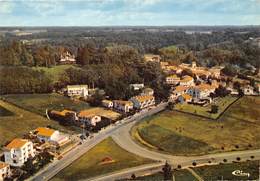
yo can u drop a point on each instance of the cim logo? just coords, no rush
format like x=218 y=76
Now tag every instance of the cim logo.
x=240 y=173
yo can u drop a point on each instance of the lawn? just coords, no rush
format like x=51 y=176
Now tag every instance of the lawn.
x=237 y=129
x=179 y=175
x=222 y=104
x=90 y=164
x=54 y=72
x=21 y=122
x=38 y=103
x=224 y=171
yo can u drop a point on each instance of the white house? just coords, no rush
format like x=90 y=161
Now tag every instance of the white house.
x=107 y=103
x=50 y=135
x=248 y=90
x=89 y=117
x=124 y=106
x=137 y=86
x=4 y=171
x=141 y=102
x=67 y=58
x=77 y=90
x=201 y=91
x=18 y=151
x=187 y=81
x=173 y=80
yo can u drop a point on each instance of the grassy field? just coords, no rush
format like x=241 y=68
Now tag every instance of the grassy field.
x=175 y=132
x=222 y=104
x=21 y=122
x=179 y=175
x=38 y=103
x=224 y=171
x=54 y=72
x=90 y=165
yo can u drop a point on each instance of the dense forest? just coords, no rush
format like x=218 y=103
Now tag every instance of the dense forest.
x=112 y=59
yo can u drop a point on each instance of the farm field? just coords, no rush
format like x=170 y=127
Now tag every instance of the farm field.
x=224 y=171
x=92 y=163
x=38 y=103
x=21 y=122
x=222 y=104
x=176 y=132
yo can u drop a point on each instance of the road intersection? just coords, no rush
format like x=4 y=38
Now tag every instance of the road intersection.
x=121 y=135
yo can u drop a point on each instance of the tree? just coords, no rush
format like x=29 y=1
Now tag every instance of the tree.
x=167 y=171
x=214 y=109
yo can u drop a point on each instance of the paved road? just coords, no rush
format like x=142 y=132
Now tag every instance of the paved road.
x=50 y=171
x=122 y=131
x=128 y=144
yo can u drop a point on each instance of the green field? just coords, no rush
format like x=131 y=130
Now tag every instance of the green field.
x=54 y=72
x=224 y=171
x=185 y=134
x=179 y=175
x=222 y=104
x=38 y=103
x=21 y=122
x=89 y=165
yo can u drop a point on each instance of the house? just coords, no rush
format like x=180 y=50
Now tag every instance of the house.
x=89 y=117
x=107 y=103
x=201 y=91
x=67 y=58
x=45 y=134
x=141 y=102
x=187 y=81
x=184 y=98
x=61 y=115
x=179 y=90
x=248 y=90
x=124 y=106
x=5 y=171
x=77 y=90
x=18 y=151
x=147 y=92
x=173 y=80
x=137 y=86
x=152 y=58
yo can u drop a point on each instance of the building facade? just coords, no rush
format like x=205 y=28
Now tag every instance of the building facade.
x=5 y=171
x=141 y=102
x=18 y=151
x=77 y=90
x=124 y=106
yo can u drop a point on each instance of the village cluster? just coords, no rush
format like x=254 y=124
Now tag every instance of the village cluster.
x=36 y=142
x=194 y=88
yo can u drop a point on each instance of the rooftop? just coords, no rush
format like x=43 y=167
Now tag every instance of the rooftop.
x=76 y=86
x=143 y=98
x=43 y=131
x=3 y=165
x=16 y=143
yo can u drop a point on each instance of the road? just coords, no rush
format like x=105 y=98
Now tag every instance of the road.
x=128 y=144
x=55 y=167
x=122 y=130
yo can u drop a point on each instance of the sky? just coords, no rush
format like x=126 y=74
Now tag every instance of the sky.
x=128 y=12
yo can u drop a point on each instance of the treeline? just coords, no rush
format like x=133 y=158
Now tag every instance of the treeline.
x=119 y=66
x=23 y=80
x=112 y=68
